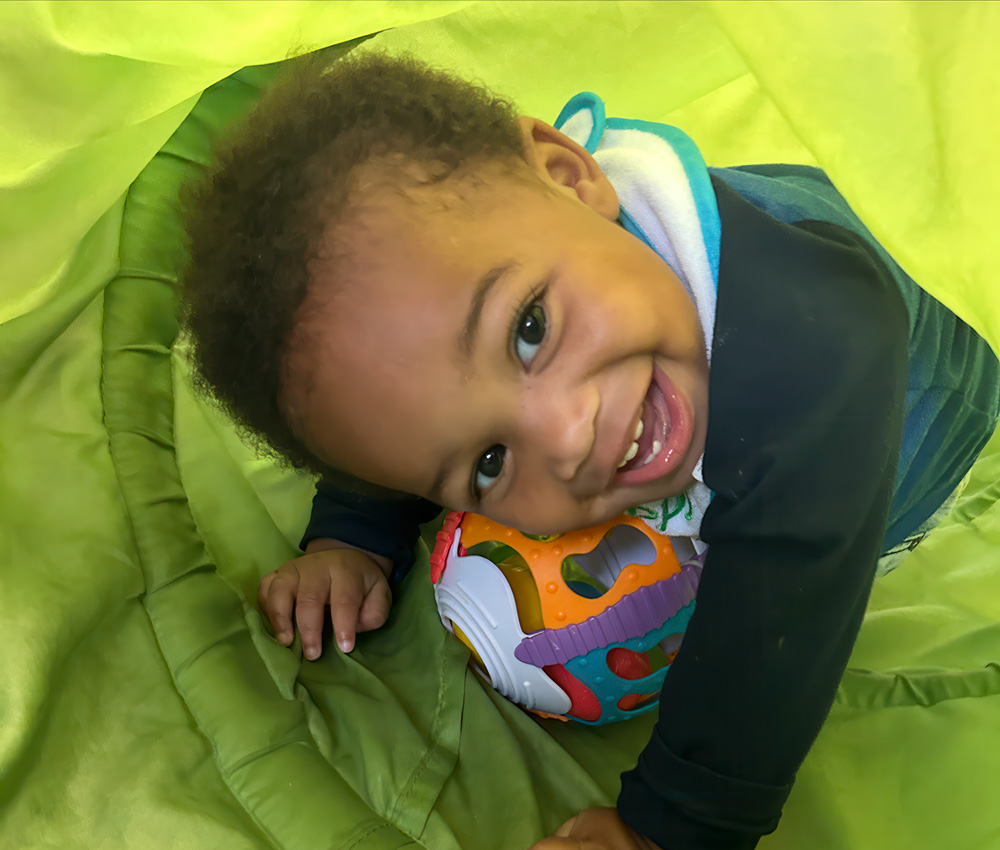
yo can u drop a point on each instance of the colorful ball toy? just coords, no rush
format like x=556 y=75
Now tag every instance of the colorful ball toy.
x=581 y=625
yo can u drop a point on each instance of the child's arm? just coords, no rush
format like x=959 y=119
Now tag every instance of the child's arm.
x=381 y=523
x=807 y=399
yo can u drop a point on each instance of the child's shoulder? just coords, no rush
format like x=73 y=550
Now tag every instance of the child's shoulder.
x=810 y=343
x=809 y=286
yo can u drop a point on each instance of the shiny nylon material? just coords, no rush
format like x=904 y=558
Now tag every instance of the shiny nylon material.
x=142 y=702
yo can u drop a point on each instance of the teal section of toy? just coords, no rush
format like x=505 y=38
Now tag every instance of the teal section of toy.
x=593 y=671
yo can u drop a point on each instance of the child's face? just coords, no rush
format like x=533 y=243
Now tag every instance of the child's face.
x=497 y=351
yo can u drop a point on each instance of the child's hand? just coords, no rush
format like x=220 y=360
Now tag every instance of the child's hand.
x=595 y=829
x=353 y=583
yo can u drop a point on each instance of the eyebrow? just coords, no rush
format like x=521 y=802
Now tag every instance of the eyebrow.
x=467 y=339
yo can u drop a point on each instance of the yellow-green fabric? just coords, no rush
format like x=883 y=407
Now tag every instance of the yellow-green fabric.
x=142 y=702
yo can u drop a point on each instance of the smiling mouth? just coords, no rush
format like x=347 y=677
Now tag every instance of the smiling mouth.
x=651 y=431
x=661 y=436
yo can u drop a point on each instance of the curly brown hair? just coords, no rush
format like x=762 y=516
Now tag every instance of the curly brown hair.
x=279 y=181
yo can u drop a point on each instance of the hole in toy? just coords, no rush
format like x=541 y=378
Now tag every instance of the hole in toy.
x=629 y=664
x=496 y=552
x=584 y=705
x=591 y=574
x=476 y=662
x=663 y=654
x=669 y=646
x=683 y=549
x=521 y=581
x=633 y=702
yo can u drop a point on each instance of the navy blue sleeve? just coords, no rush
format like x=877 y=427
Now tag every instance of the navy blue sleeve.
x=384 y=525
x=806 y=401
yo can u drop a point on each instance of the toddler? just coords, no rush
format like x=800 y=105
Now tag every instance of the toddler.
x=402 y=285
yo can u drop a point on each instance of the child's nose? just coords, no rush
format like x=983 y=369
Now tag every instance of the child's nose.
x=559 y=428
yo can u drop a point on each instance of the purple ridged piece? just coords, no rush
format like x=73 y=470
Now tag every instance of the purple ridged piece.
x=632 y=616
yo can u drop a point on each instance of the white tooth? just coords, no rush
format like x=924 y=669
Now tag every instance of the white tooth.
x=657 y=445
x=638 y=431
x=633 y=450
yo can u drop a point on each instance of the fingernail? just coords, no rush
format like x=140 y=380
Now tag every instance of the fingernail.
x=312 y=653
x=285 y=638
x=345 y=645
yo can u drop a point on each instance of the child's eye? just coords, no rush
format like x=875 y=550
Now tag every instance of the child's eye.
x=488 y=469
x=529 y=332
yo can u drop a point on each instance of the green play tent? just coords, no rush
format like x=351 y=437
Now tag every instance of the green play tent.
x=142 y=702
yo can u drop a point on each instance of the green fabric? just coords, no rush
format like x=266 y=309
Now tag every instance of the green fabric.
x=142 y=703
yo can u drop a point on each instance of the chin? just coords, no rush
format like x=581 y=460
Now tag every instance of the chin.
x=655 y=492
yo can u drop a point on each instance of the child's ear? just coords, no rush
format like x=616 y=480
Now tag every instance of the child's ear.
x=567 y=166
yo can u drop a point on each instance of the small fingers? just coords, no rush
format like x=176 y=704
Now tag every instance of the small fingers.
x=346 y=600
x=310 y=606
x=375 y=608
x=276 y=597
x=557 y=843
x=598 y=828
x=262 y=589
x=359 y=598
x=350 y=581
x=567 y=827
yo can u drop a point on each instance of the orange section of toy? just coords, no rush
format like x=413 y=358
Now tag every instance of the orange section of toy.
x=561 y=605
